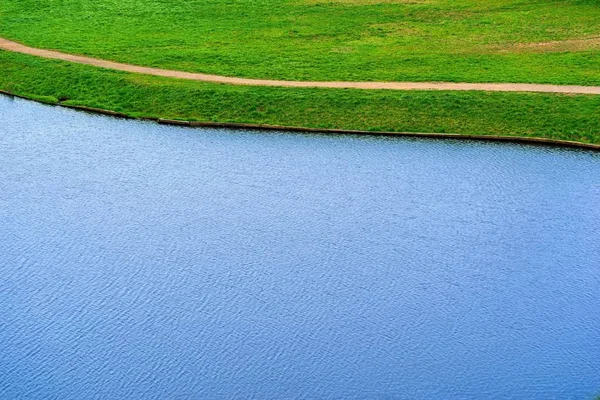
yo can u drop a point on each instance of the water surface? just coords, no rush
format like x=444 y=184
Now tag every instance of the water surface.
x=144 y=261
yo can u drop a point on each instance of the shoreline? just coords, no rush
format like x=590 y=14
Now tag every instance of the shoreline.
x=540 y=141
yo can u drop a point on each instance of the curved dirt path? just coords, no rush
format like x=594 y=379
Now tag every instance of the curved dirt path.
x=11 y=46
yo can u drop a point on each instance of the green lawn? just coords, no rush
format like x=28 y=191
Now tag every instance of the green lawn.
x=542 y=41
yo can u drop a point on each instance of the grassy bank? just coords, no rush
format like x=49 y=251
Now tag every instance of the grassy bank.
x=543 y=115
x=533 y=41
x=539 y=41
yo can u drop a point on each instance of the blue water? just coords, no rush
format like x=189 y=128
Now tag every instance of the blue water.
x=140 y=261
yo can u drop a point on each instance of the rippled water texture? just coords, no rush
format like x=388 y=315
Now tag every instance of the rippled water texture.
x=143 y=261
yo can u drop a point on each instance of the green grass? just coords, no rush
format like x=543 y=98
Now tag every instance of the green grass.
x=526 y=114
x=388 y=40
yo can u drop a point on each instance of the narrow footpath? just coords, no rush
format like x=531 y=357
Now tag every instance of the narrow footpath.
x=15 y=47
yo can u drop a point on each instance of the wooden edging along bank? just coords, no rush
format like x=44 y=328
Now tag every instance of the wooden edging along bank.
x=231 y=125
x=495 y=138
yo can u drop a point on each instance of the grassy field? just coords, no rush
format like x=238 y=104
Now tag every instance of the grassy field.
x=541 y=41
x=525 y=114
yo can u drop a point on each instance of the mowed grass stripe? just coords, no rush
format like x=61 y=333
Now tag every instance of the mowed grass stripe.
x=554 y=116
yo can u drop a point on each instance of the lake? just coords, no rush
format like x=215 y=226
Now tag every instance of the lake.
x=147 y=261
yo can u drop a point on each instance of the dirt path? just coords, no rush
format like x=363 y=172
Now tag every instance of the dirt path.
x=492 y=87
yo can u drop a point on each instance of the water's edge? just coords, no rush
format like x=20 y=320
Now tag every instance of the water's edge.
x=141 y=260
x=540 y=141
